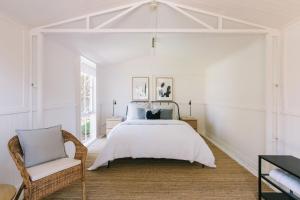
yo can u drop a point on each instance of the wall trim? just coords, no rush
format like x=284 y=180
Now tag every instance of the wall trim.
x=291 y=114
x=23 y=108
x=59 y=106
x=237 y=107
x=247 y=164
x=13 y=110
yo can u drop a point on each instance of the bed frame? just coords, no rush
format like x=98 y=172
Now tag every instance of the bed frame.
x=158 y=102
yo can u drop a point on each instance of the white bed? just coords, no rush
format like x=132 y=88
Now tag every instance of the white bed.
x=169 y=139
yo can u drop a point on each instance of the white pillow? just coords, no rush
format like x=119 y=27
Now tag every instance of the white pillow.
x=134 y=110
x=287 y=180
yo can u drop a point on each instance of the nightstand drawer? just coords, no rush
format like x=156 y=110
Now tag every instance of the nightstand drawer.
x=111 y=124
x=108 y=130
x=192 y=123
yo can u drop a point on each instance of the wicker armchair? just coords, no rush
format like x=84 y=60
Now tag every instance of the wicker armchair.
x=38 y=189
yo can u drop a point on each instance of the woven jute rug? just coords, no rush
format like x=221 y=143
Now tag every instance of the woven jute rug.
x=154 y=179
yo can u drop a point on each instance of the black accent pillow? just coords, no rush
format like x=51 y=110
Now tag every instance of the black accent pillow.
x=151 y=115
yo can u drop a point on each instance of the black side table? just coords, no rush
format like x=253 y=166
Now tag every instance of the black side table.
x=289 y=164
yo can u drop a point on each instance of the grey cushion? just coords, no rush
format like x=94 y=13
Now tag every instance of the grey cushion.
x=136 y=111
x=141 y=113
x=166 y=113
x=41 y=145
x=170 y=106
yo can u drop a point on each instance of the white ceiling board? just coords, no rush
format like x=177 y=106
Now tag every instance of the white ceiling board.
x=106 y=48
x=71 y=25
x=272 y=13
x=110 y=49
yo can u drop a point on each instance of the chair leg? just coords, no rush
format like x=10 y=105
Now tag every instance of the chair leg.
x=17 y=196
x=83 y=190
x=27 y=194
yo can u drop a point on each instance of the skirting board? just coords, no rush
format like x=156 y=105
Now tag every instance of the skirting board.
x=243 y=163
x=246 y=164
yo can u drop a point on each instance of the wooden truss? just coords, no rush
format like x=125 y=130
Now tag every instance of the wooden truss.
x=120 y=12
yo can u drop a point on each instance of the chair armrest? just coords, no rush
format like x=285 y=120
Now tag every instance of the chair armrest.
x=16 y=153
x=81 y=150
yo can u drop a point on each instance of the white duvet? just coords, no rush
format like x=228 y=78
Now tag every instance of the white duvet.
x=170 y=139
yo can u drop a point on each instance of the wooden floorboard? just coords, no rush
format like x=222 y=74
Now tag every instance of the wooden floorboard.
x=156 y=179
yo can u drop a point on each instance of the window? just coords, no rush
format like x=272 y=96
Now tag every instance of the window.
x=88 y=100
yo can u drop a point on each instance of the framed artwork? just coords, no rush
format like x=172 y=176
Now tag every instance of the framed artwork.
x=164 y=88
x=140 y=88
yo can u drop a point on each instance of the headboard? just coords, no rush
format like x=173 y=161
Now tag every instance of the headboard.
x=158 y=102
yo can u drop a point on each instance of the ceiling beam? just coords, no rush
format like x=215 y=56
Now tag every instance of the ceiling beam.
x=113 y=30
x=222 y=16
x=126 y=9
x=122 y=14
x=188 y=15
x=82 y=17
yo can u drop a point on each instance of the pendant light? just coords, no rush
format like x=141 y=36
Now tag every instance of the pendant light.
x=154 y=6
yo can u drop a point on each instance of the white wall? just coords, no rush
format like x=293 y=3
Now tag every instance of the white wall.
x=61 y=81
x=290 y=106
x=235 y=99
x=115 y=83
x=14 y=92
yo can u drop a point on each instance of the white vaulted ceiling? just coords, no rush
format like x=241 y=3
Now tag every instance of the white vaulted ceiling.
x=109 y=49
x=272 y=13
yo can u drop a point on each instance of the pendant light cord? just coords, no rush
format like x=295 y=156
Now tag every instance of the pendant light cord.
x=154 y=37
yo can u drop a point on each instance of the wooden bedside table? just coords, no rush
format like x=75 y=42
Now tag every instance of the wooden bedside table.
x=193 y=122
x=112 y=122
